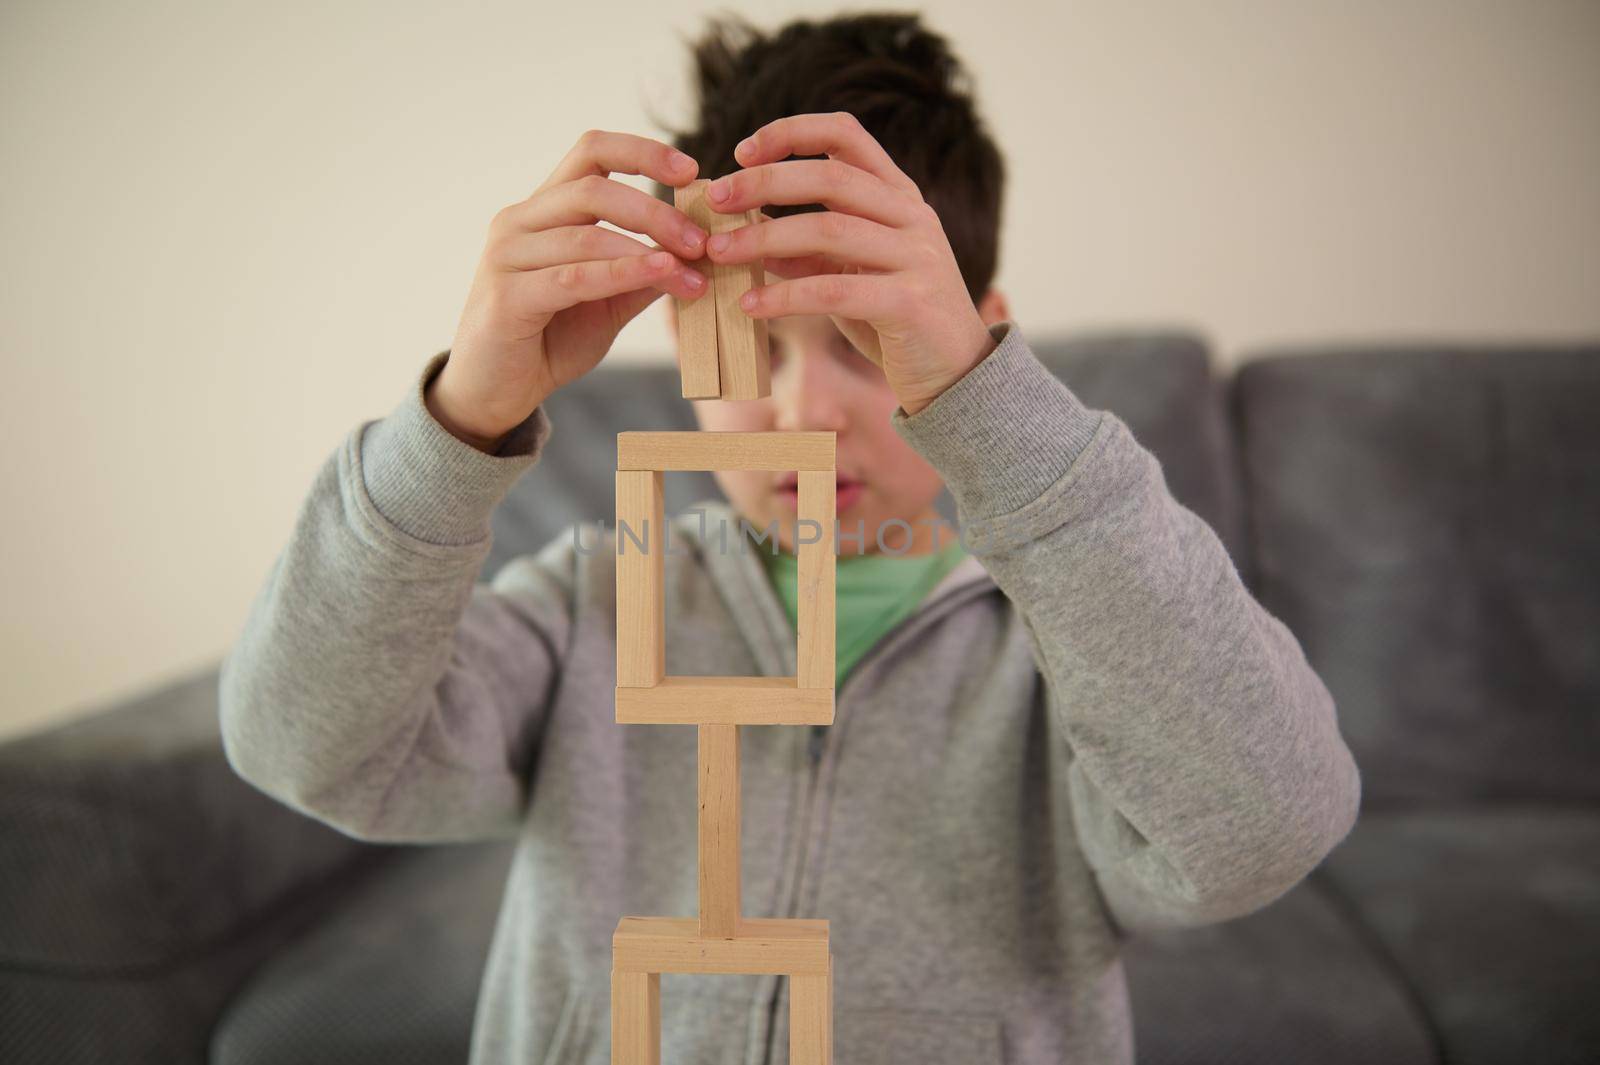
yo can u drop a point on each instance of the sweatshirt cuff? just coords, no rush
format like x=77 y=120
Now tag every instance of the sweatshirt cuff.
x=429 y=484
x=1003 y=433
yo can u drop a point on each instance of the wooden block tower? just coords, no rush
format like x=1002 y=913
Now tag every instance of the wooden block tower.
x=724 y=356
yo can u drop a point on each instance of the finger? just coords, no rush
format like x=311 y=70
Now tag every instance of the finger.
x=600 y=153
x=843 y=238
x=869 y=297
x=838 y=135
x=626 y=307
x=555 y=288
x=594 y=199
x=830 y=182
x=522 y=250
x=804 y=266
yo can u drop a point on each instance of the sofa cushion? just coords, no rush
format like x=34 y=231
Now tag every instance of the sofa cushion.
x=1293 y=984
x=1495 y=917
x=1425 y=521
x=128 y=842
x=1163 y=386
x=390 y=978
x=1159 y=383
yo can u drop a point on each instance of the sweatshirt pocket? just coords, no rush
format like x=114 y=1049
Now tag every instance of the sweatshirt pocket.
x=583 y=1015
x=703 y=1029
x=902 y=1036
x=696 y=1029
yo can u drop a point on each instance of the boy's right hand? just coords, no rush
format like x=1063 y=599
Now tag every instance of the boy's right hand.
x=553 y=289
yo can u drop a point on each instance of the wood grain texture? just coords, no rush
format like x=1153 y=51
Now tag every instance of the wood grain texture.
x=697 y=319
x=725 y=701
x=781 y=945
x=744 y=359
x=691 y=450
x=635 y=1018
x=641 y=577
x=811 y=1018
x=719 y=830
x=814 y=654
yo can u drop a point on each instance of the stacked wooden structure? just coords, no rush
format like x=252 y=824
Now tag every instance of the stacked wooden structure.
x=724 y=355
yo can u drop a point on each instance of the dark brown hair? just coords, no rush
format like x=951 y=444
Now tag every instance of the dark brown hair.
x=897 y=77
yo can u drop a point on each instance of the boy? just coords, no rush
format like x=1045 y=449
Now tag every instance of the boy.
x=1083 y=728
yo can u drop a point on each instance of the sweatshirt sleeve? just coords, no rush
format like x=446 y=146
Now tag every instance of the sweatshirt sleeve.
x=377 y=685
x=1204 y=763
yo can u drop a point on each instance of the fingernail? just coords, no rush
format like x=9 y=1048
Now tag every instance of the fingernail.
x=659 y=259
x=719 y=243
x=718 y=190
x=694 y=280
x=745 y=146
x=693 y=237
x=749 y=300
x=681 y=161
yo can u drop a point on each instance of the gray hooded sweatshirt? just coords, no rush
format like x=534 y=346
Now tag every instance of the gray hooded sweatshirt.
x=1087 y=729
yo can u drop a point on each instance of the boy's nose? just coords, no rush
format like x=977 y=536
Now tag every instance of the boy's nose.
x=807 y=391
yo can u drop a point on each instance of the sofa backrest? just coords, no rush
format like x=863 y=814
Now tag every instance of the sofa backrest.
x=1160 y=383
x=1427 y=521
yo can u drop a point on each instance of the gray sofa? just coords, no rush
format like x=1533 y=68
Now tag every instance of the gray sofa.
x=1427 y=520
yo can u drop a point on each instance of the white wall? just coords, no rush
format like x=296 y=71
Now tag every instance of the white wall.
x=231 y=231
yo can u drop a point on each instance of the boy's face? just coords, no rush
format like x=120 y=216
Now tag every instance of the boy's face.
x=820 y=382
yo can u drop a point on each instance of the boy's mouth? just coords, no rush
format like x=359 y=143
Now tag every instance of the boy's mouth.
x=847 y=490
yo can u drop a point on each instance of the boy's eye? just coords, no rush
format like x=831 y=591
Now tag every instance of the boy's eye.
x=851 y=357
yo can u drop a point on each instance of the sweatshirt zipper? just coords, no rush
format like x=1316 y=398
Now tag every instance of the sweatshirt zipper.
x=816 y=748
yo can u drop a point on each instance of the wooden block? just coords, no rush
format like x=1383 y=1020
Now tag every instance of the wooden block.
x=635 y=1018
x=743 y=357
x=761 y=945
x=641 y=579
x=814 y=654
x=811 y=1018
x=725 y=701
x=719 y=830
x=725 y=451
x=697 y=319
x=763 y=364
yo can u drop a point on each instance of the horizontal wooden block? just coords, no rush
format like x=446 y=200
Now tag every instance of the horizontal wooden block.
x=725 y=451
x=761 y=945
x=726 y=701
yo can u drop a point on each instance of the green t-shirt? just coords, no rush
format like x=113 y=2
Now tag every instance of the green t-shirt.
x=872 y=593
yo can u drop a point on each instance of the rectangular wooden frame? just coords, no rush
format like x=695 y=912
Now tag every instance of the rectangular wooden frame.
x=642 y=948
x=645 y=693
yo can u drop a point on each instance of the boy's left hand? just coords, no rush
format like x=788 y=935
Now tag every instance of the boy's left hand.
x=877 y=260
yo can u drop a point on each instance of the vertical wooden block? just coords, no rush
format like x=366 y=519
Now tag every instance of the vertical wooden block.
x=814 y=661
x=744 y=359
x=641 y=577
x=635 y=1018
x=697 y=319
x=811 y=1017
x=719 y=830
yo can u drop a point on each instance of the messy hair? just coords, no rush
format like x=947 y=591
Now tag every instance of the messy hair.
x=897 y=77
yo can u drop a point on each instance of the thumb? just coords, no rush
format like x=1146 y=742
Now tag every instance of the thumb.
x=862 y=337
x=625 y=306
